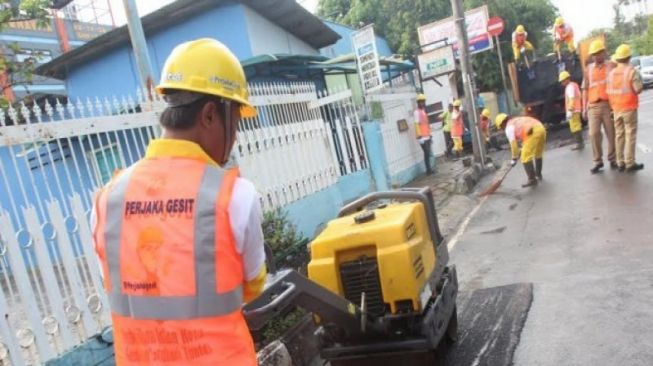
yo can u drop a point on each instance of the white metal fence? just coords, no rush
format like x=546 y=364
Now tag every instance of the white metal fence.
x=54 y=156
x=401 y=147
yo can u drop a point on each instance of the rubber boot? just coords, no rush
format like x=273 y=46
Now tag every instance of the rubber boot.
x=580 y=144
x=538 y=168
x=530 y=172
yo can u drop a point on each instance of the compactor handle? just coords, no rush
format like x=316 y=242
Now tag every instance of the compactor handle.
x=271 y=307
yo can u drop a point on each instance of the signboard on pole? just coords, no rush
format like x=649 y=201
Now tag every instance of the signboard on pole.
x=476 y=20
x=495 y=26
x=367 y=58
x=437 y=62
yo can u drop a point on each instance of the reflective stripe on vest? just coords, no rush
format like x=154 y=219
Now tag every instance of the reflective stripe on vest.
x=206 y=302
x=597 y=83
x=622 y=95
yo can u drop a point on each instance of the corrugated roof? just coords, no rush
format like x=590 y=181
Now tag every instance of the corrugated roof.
x=288 y=14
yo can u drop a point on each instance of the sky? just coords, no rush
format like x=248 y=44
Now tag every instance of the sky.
x=583 y=15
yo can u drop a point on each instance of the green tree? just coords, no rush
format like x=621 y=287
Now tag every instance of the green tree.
x=398 y=20
x=644 y=44
x=20 y=72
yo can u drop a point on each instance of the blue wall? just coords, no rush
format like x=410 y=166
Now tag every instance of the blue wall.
x=115 y=72
x=344 y=46
x=311 y=213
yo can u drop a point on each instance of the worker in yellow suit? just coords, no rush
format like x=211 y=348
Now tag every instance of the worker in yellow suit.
x=532 y=135
x=563 y=33
x=457 y=128
x=520 y=43
x=573 y=107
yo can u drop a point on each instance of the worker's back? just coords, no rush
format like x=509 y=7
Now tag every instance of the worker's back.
x=172 y=271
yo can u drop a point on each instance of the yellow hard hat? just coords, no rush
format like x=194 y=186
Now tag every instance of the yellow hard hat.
x=596 y=46
x=206 y=66
x=457 y=103
x=563 y=76
x=559 y=21
x=485 y=113
x=520 y=29
x=421 y=97
x=498 y=120
x=623 y=52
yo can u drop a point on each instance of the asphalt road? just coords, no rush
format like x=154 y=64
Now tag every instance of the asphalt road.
x=585 y=243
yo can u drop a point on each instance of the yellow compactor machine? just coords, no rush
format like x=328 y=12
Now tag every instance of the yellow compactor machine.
x=378 y=280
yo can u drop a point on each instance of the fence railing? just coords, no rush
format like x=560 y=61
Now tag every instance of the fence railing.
x=53 y=157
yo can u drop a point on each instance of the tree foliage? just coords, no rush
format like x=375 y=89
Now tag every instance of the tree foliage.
x=398 y=20
x=638 y=32
x=20 y=72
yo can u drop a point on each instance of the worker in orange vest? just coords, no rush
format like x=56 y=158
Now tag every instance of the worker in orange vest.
x=563 y=33
x=520 y=43
x=532 y=135
x=573 y=108
x=178 y=236
x=596 y=107
x=423 y=130
x=484 y=124
x=624 y=86
x=457 y=128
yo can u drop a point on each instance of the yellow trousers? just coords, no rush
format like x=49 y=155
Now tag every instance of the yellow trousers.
x=533 y=146
x=457 y=143
x=575 y=123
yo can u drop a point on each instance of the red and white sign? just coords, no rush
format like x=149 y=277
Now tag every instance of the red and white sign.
x=476 y=21
x=495 y=26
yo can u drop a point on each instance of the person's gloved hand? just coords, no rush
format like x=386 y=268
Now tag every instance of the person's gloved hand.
x=513 y=162
x=569 y=114
x=523 y=49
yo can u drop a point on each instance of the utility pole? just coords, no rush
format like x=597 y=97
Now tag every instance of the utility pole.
x=468 y=80
x=139 y=45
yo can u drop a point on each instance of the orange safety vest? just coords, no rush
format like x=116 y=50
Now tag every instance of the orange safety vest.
x=623 y=97
x=457 y=124
x=171 y=269
x=597 y=82
x=522 y=125
x=572 y=103
x=424 y=128
x=484 y=122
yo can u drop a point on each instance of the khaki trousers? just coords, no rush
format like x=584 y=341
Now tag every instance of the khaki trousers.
x=599 y=115
x=625 y=124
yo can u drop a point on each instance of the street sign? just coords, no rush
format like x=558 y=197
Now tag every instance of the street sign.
x=437 y=62
x=367 y=58
x=495 y=26
x=476 y=20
